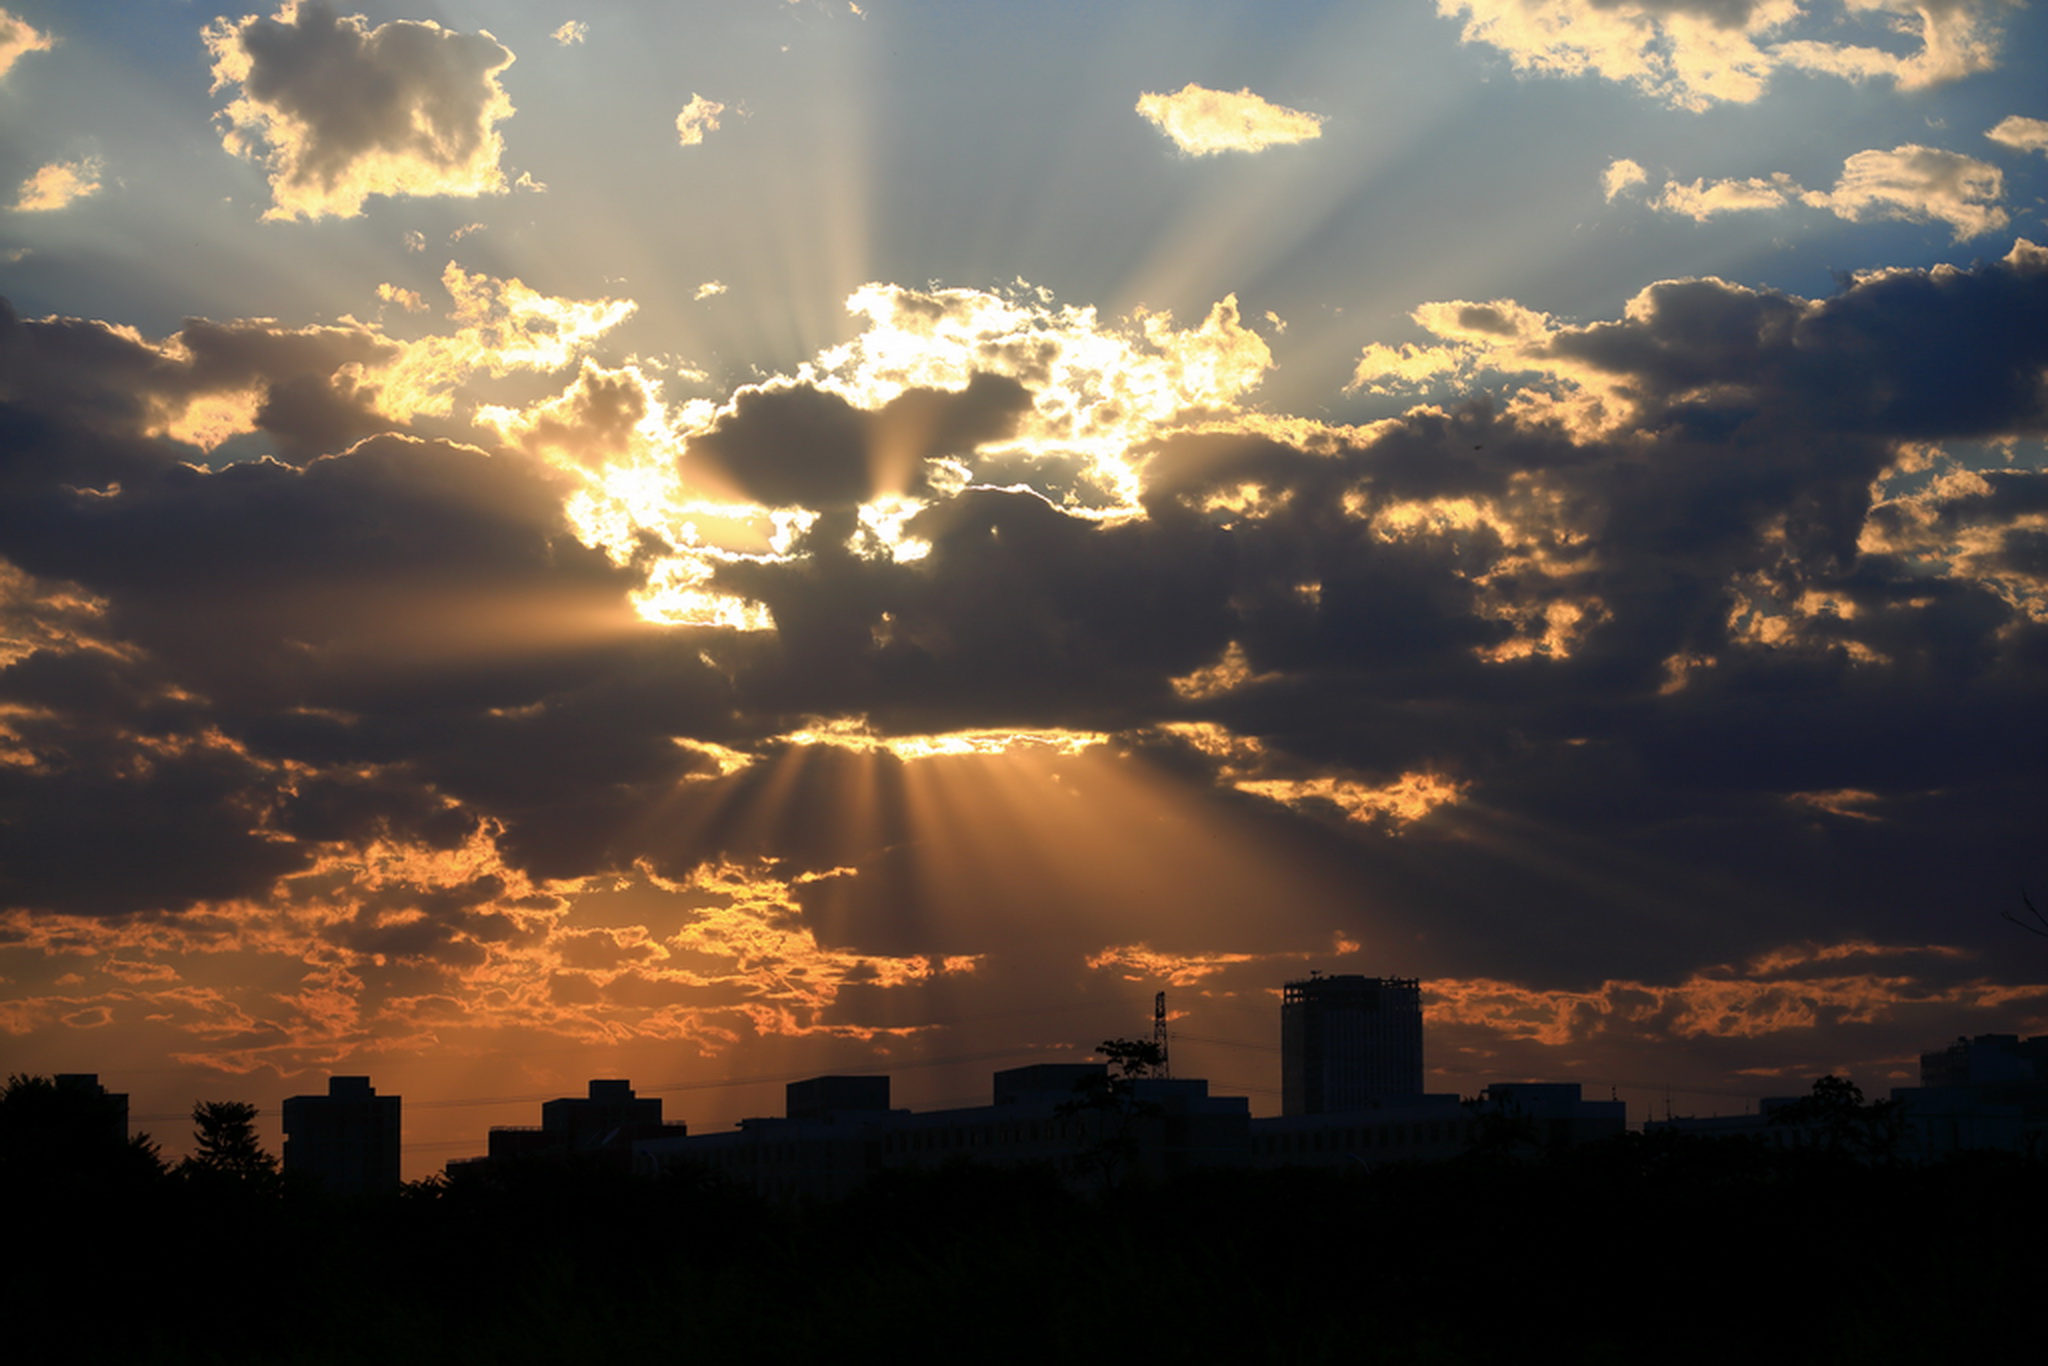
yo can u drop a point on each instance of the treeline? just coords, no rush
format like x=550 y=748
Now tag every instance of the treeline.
x=1666 y=1249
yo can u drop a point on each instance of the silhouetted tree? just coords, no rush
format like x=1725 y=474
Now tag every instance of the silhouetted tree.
x=69 y=1135
x=1110 y=1104
x=1835 y=1110
x=228 y=1157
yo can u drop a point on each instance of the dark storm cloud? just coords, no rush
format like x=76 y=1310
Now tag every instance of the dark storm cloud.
x=1706 y=693
x=80 y=395
x=797 y=445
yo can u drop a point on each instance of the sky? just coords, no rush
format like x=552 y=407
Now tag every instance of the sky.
x=723 y=542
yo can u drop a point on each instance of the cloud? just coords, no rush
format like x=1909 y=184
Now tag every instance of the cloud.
x=1920 y=185
x=1202 y=122
x=1696 y=53
x=1704 y=199
x=338 y=111
x=59 y=184
x=18 y=39
x=710 y=289
x=2021 y=134
x=1913 y=183
x=571 y=32
x=1621 y=176
x=699 y=118
x=1698 y=616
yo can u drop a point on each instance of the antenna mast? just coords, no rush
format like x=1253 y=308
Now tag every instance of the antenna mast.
x=1159 y=1032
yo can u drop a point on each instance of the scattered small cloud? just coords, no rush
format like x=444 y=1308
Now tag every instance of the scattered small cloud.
x=1919 y=185
x=1912 y=183
x=1697 y=53
x=17 y=40
x=407 y=299
x=709 y=289
x=338 y=111
x=1704 y=199
x=415 y=240
x=699 y=117
x=528 y=183
x=571 y=33
x=1621 y=175
x=2023 y=134
x=466 y=230
x=1202 y=121
x=58 y=184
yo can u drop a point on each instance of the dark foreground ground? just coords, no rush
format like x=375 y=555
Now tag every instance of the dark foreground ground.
x=1641 y=1251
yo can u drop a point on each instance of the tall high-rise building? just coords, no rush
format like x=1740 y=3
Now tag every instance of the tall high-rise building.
x=346 y=1140
x=1349 y=1043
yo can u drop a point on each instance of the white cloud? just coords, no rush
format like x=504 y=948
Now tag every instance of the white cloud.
x=709 y=289
x=699 y=117
x=1695 y=53
x=1704 y=199
x=1621 y=175
x=1202 y=121
x=17 y=39
x=338 y=111
x=58 y=184
x=2026 y=135
x=1920 y=185
x=574 y=31
x=1914 y=183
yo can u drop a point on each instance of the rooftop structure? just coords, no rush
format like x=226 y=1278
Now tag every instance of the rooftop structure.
x=1349 y=1043
x=346 y=1141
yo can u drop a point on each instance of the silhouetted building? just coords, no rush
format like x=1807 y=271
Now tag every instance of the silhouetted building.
x=100 y=1114
x=819 y=1097
x=838 y=1132
x=1988 y=1059
x=603 y=1124
x=346 y=1141
x=1412 y=1129
x=1348 y=1043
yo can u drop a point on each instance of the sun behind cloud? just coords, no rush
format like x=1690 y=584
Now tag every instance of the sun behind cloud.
x=1202 y=121
x=339 y=111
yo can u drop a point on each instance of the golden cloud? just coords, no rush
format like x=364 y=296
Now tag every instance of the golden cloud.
x=698 y=118
x=2021 y=134
x=1202 y=122
x=1921 y=185
x=338 y=111
x=1696 y=53
x=58 y=184
x=17 y=40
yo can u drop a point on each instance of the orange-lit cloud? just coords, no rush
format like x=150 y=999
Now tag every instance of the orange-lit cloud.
x=338 y=111
x=1203 y=122
x=59 y=184
x=698 y=119
x=571 y=32
x=17 y=39
x=1780 y=991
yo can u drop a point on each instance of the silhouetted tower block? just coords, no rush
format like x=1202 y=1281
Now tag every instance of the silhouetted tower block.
x=588 y=1123
x=817 y=1097
x=347 y=1141
x=100 y=1115
x=1349 y=1043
